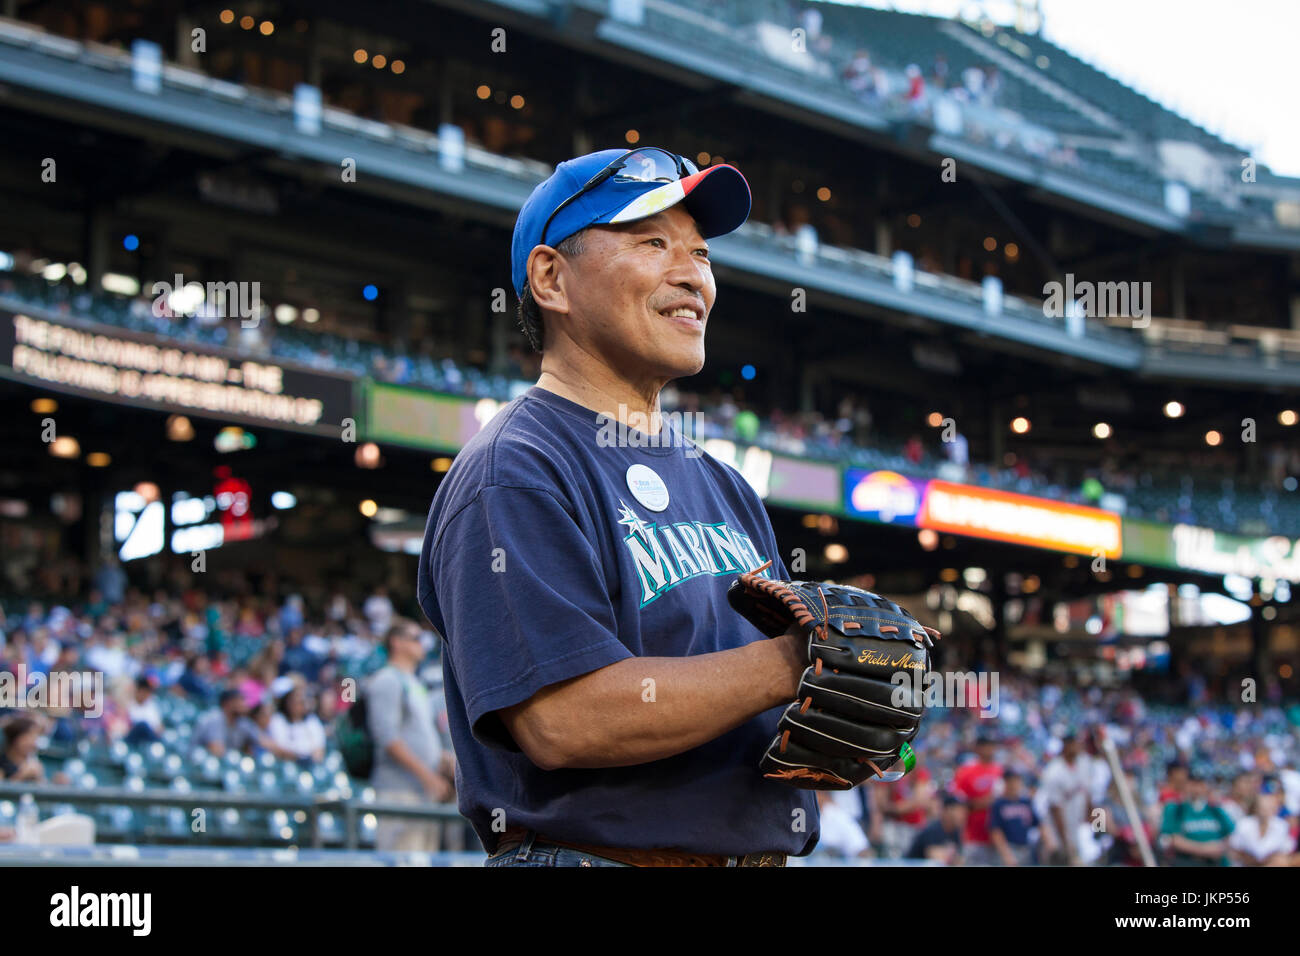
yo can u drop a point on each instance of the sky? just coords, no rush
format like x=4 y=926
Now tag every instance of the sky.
x=1231 y=66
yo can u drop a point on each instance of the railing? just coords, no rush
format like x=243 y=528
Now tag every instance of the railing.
x=350 y=808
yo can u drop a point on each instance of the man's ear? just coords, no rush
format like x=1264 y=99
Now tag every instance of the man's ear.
x=546 y=276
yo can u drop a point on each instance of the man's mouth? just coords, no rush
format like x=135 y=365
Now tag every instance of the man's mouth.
x=685 y=312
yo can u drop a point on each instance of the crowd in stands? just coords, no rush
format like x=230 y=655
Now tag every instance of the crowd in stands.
x=258 y=680
x=1263 y=503
x=1213 y=783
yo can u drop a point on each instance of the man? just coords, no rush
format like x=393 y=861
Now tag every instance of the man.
x=978 y=783
x=409 y=760
x=1066 y=782
x=1012 y=821
x=227 y=728
x=940 y=840
x=607 y=705
x=1193 y=831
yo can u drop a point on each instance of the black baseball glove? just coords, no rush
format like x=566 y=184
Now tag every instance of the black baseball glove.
x=853 y=718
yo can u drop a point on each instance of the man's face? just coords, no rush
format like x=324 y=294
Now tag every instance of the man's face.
x=627 y=280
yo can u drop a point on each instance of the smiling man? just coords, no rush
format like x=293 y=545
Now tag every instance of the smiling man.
x=606 y=705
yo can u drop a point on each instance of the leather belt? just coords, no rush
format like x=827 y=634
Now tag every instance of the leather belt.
x=514 y=836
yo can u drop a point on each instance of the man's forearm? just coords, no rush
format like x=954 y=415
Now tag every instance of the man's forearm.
x=649 y=708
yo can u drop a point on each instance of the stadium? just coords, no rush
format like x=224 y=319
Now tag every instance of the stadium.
x=1002 y=339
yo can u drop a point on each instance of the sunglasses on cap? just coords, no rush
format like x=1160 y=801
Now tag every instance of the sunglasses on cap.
x=647 y=165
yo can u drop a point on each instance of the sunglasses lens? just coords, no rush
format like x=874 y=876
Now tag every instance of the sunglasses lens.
x=654 y=165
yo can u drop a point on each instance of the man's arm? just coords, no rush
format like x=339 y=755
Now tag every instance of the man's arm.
x=601 y=719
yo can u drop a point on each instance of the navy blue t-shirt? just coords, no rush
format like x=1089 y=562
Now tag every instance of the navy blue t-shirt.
x=551 y=552
x=1015 y=818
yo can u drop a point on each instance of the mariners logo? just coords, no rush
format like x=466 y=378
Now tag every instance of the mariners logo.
x=666 y=556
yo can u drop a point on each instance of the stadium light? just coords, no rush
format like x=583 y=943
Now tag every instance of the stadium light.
x=398 y=67
x=120 y=284
x=1287 y=417
x=1101 y=430
x=632 y=136
x=311 y=315
x=179 y=428
x=246 y=22
x=836 y=553
x=1020 y=425
x=1174 y=409
x=368 y=508
x=360 y=56
x=227 y=16
x=44 y=406
x=285 y=313
x=370 y=292
x=517 y=102
x=1011 y=251
x=748 y=372
x=99 y=459
x=1213 y=438
x=440 y=464
x=483 y=92
x=130 y=242
x=65 y=446
x=267 y=28
x=367 y=455
x=934 y=419
x=823 y=193
x=282 y=500
x=990 y=244
x=702 y=159
x=379 y=61
x=914 y=221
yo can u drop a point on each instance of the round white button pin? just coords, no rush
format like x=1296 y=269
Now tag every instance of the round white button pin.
x=647 y=487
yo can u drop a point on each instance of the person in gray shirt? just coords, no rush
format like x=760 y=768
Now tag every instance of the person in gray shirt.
x=410 y=764
x=227 y=726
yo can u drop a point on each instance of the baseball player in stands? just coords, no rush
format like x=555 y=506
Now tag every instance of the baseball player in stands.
x=606 y=705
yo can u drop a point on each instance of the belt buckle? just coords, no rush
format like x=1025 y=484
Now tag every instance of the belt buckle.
x=762 y=859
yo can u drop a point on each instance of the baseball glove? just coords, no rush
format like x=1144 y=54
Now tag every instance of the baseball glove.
x=853 y=719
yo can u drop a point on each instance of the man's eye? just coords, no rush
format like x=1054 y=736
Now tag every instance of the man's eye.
x=703 y=252
x=656 y=239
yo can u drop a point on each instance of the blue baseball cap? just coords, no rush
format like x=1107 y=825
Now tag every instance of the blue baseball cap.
x=718 y=197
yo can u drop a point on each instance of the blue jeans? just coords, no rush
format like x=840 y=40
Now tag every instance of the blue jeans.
x=534 y=852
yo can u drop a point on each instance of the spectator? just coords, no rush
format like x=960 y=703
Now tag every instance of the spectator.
x=1263 y=838
x=410 y=764
x=295 y=733
x=1012 y=822
x=19 y=762
x=977 y=783
x=1194 y=831
x=913 y=451
x=146 y=723
x=378 y=610
x=227 y=727
x=841 y=836
x=195 y=680
x=110 y=581
x=941 y=839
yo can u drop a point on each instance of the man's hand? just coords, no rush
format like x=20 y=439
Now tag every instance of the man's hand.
x=438 y=788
